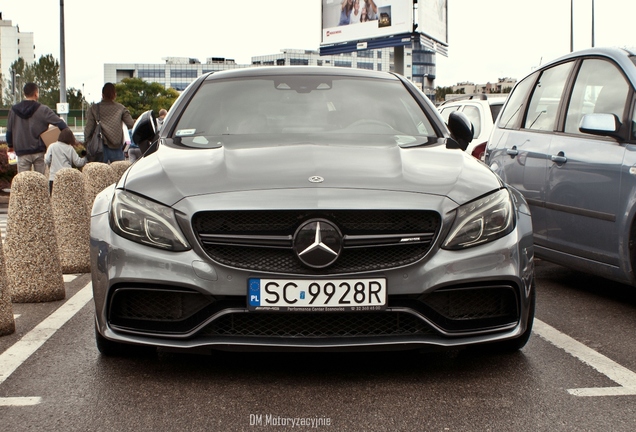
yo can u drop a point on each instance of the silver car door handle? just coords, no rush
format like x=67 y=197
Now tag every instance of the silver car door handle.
x=559 y=159
x=512 y=151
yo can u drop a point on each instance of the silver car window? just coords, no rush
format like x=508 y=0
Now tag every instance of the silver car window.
x=302 y=104
x=544 y=104
x=514 y=107
x=600 y=87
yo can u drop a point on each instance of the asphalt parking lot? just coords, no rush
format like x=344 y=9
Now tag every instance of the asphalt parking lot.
x=576 y=373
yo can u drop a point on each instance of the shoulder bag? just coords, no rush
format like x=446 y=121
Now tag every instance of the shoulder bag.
x=95 y=146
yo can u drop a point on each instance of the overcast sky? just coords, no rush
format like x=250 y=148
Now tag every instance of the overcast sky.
x=488 y=39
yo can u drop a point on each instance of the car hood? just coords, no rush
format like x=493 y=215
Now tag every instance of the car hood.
x=240 y=163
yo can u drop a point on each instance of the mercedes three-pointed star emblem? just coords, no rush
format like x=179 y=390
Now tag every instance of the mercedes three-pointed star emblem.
x=318 y=243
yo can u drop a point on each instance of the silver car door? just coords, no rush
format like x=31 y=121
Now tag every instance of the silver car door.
x=584 y=172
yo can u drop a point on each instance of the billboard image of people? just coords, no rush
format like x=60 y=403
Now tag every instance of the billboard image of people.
x=358 y=20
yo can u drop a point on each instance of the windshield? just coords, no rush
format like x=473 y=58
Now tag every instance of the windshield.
x=301 y=105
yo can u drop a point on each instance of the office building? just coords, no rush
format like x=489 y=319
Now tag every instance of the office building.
x=13 y=45
x=178 y=72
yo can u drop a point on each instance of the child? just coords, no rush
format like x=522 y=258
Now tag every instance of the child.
x=62 y=154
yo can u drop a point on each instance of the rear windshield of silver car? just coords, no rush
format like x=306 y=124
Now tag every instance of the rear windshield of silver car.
x=301 y=105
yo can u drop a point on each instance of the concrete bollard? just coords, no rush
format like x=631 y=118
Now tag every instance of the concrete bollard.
x=120 y=167
x=97 y=177
x=72 y=226
x=7 y=322
x=30 y=249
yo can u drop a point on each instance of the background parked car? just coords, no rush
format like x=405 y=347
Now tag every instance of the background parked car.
x=566 y=139
x=482 y=111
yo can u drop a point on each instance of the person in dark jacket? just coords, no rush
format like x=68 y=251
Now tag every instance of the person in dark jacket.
x=111 y=115
x=27 y=120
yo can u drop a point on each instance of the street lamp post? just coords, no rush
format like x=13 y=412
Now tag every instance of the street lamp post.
x=82 y=105
x=62 y=60
x=592 y=23
x=17 y=80
x=571 y=25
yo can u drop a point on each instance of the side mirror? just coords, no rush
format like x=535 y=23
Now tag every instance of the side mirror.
x=601 y=124
x=461 y=129
x=144 y=130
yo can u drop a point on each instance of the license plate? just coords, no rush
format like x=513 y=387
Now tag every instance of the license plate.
x=334 y=295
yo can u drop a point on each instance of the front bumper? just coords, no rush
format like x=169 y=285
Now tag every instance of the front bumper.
x=181 y=300
x=185 y=300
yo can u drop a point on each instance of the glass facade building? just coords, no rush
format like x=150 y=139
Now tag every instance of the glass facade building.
x=178 y=72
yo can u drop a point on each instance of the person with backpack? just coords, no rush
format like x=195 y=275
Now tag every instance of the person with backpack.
x=110 y=115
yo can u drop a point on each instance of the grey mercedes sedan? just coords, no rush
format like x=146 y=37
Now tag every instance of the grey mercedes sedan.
x=309 y=208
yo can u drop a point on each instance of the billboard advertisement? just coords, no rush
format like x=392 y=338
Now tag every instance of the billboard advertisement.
x=433 y=19
x=359 y=20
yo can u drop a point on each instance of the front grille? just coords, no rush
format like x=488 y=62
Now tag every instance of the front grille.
x=313 y=325
x=278 y=227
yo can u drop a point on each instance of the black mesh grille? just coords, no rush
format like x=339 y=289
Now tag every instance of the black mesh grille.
x=473 y=307
x=156 y=305
x=172 y=311
x=284 y=261
x=165 y=310
x=311 y=325
x=285 y=223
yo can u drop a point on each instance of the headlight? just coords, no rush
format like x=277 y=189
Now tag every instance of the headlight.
x=147 y=222
x=481 y=221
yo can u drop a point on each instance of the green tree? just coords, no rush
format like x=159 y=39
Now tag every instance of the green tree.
x=441 y=92
x=47 y=77
x=45 y=73
x=22 y=74
x=140 y=96
x=74 y=97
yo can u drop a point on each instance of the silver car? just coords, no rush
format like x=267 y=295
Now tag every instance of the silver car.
x=566 y=140
x=303 y=208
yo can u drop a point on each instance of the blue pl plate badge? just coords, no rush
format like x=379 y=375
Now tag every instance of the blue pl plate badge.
x=255 y=292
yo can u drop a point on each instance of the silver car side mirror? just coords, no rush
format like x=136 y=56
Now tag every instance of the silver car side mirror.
x=600 y=124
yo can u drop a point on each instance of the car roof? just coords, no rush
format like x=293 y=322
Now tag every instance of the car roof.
x=621 y=55
x=300 y=70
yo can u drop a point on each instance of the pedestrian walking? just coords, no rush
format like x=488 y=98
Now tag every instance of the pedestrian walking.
x=26 y=121
x=62 y=154
x=111 y=115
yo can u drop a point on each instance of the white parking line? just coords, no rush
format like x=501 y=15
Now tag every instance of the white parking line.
x=69 y=277
x=617 y=373
x=19 y=352
x=20 y=401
